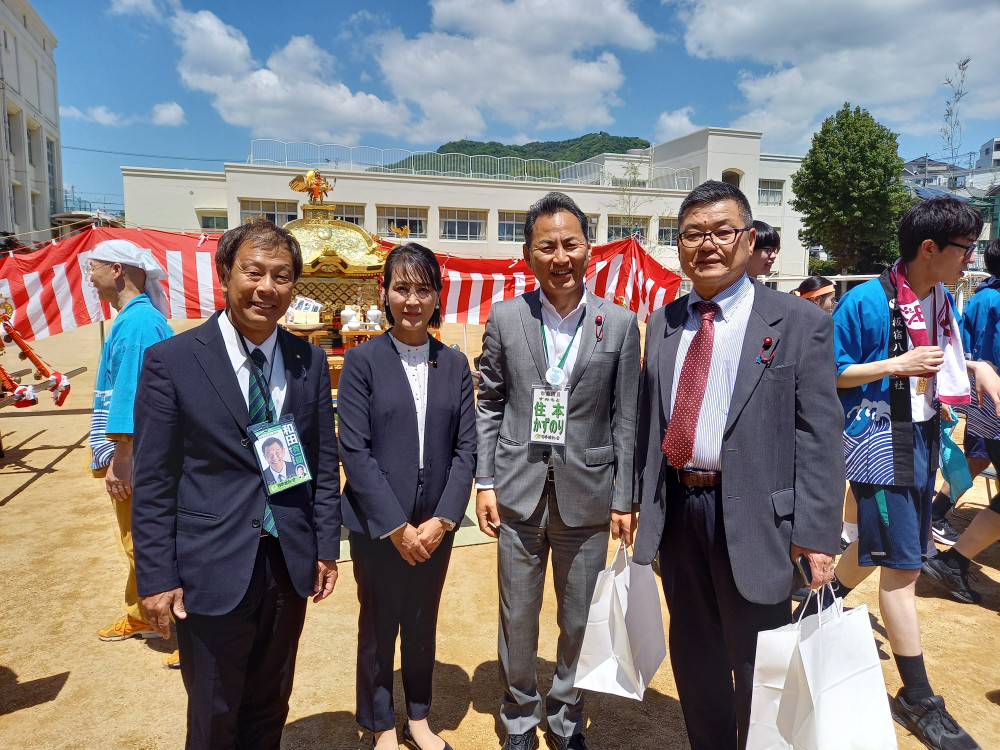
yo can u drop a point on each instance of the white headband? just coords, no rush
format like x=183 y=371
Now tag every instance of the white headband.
x=129 y=254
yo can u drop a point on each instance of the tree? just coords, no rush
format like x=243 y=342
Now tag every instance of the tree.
x=850 y=193
x=951 y=131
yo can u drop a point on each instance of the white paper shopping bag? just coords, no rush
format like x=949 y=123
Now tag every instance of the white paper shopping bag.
x=623 y=645
x=810 y=675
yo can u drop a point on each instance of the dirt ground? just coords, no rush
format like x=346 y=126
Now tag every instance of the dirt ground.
x=61 y=578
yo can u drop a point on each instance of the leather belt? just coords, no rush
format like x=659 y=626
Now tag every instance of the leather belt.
x=699 y=477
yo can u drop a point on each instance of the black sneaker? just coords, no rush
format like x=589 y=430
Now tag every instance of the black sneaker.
x=931 y=723
x=952 y=579
x=944 y=533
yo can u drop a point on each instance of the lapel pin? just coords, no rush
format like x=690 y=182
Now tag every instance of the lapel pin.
x=599 y=327
x=766 y=351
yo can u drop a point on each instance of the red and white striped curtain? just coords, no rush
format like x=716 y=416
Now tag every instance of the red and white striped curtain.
x=50 y=294
x=620 y=271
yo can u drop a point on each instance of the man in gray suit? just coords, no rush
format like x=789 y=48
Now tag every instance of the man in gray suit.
x=556 y=423
x=739 y=461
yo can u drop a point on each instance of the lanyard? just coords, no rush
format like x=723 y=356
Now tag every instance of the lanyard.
x=264 y=385
x=545 y=343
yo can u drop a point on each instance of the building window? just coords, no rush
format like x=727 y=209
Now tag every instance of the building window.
x=10 y=138
x=31 y=148
x=459 y=224
x=511 y=226
x=215 y=223
x=352 y=212
x=592 y=228
x=50 y=163
x=667 y=233
x=769 y=193
x=731 y=177
x=621 y=227
x=400 y=217
x=280 y=212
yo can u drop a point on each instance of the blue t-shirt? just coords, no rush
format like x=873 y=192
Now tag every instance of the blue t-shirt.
x=138 y=326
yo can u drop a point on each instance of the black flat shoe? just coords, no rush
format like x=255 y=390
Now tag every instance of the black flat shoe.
x=408 y=738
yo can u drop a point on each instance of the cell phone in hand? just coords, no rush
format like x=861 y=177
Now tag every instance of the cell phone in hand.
x=805 y=570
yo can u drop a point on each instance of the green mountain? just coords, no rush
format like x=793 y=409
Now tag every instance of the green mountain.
x=493 y=159
x=575 y=149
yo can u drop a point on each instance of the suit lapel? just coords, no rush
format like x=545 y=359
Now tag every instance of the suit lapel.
x=295 y=372
x=676 y=317
x=762 y=318
x=531 y=321
x=439 y=399
x=214 y=360
x=396 y=382
x=588 y=338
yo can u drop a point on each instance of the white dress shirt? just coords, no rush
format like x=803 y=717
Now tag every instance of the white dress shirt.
x=561 y=332
x=735 y=304
x=274 y=368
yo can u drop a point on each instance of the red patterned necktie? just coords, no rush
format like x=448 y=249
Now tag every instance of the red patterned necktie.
x=678 y=441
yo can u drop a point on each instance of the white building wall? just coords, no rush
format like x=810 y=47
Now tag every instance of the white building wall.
x=29 y=191
x=179 y=198
x=174 y=198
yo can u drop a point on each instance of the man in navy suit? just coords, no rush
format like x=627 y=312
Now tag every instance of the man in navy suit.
x=232 y=564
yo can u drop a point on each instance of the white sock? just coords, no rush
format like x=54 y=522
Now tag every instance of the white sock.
x=850 y=532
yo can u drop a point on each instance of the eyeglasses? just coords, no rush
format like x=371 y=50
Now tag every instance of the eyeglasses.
x=723 y=237
x=766 y=250
x=970 y=250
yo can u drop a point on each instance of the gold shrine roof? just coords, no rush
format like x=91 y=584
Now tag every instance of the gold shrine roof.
x=331 y=247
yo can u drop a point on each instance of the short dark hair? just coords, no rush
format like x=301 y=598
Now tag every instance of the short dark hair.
x=271 y=441
x=812 y=283
x=714 y=191
x=418 y=263
x=991 y=257
x=550 y=204
x=940 y=219
x=261 y=233
x=767 y=236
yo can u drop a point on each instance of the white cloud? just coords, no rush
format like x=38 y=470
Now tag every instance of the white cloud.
x=675 y=124
x=889 y=56
x=528 y=63
x=100 y=115
x=140 y=7
x=293 y=95
x=169 y=114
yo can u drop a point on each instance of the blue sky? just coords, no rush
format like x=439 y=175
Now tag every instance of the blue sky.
x=196 y=80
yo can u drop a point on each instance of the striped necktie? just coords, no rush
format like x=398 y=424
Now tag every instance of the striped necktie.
x=258 y=405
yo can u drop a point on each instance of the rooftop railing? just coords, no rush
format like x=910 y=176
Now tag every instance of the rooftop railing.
x=303 y=155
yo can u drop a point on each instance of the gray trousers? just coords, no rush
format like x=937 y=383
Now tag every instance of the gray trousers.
x=578 y=555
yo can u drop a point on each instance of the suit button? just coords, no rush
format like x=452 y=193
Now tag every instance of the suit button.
x=255 y=523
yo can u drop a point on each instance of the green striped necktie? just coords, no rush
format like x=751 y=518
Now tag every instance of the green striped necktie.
x=259 y=401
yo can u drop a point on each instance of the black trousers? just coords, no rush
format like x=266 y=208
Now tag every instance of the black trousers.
x=713 y=629
x=238 y=667
x=397 y=599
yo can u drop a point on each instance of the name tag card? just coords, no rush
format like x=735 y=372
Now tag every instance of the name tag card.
x=282 y=462
x=548 y=414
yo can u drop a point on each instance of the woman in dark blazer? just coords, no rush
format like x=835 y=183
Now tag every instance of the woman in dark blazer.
x=408 y=442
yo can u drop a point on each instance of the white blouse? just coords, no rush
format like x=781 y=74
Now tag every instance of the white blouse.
x=415 y=361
